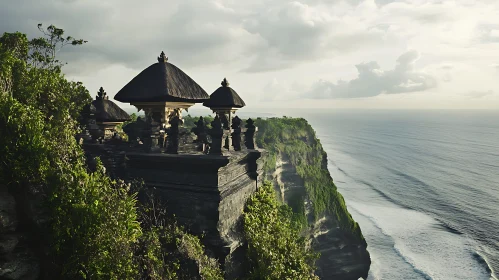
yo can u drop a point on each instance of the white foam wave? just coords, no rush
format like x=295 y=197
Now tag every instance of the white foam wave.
x=411 y=262
x=431 y=252
x=487 y=263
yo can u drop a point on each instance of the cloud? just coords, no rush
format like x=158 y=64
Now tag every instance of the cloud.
x=372 y=81
x=258 y=36
x=446 y=70
x=295 y=32
x=488 y=33
x=422 y=12
x=277 y=90
x=293 y=41
x=132 y=34
x=479 y=94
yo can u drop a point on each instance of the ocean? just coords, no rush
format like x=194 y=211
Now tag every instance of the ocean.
x=423 y=185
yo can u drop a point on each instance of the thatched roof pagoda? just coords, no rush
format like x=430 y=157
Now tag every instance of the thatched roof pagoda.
x=162 y=82
x=224 y=97
x=224 y=102
x=162 y=91
x=104 y=110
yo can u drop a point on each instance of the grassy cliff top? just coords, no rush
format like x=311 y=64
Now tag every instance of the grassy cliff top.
x=295 y=138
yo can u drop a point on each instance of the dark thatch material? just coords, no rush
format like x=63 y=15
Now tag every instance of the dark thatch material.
x=224 y=97
x=162 y=81
x=104 y=110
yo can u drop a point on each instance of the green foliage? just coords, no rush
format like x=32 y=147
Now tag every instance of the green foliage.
x=133 y=117
x=275 y=248
x=39 y=84
x=152 y=257
x=190 y=121
x=296 y=139
x=165 y=249
x=93 y=225
x=119 y=127
x=296 y=203
x=43 y=50
x=13 y=53
x=24 y=145
x=191 y=246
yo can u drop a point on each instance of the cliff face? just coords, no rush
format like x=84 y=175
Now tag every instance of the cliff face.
x=342 y=257
x=343 y=250
x=21 y=221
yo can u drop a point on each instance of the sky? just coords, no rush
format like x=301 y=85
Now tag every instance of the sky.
x=338 y=54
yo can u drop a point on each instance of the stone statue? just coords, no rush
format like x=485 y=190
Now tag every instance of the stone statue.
x=236 y=134
x=249 y=139
x=216 y=134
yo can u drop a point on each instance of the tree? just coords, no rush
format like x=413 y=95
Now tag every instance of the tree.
x=43 y=50
x=91 y=223
x=26 y=61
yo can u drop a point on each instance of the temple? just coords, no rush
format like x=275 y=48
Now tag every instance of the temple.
x=202 y=175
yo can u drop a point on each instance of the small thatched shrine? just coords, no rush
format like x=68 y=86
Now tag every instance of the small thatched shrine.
x=224 y=98
x=103 y=116
x=224 y=102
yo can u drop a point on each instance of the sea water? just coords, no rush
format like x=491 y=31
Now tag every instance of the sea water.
x=423 y=185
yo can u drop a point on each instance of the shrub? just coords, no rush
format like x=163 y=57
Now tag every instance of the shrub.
x=275 y=248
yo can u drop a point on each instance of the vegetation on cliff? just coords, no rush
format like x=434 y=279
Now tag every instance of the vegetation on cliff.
x=87 y=226
x=295 y=138
x=275 y=248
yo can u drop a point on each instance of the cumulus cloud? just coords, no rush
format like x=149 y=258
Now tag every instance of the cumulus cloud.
x=372 y=81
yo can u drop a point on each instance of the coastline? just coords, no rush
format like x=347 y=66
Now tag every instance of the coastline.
x=349 y=174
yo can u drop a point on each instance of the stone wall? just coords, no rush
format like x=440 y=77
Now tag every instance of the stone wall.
x=22 y=224
x=206 y=193
x=113 y=157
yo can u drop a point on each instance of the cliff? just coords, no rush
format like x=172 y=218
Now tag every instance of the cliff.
x=297 y=165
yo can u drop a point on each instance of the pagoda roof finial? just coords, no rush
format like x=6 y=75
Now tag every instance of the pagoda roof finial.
x=101 y=95
x=162 y=57
x=225 y=83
